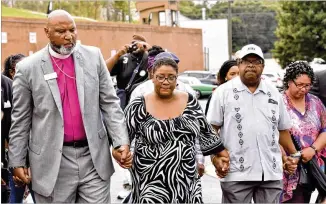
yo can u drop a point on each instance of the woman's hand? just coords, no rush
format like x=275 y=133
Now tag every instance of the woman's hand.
x=123 y=156
x=221 y=161
x=290 y=164
x=307 y=154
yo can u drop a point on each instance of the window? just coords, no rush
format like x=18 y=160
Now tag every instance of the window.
x=212 y=76
x=174 y=19
x=197 y=75
x=195 y=82
x=183 y=80
x=161 y=18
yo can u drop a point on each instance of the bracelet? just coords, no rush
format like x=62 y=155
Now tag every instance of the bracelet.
x=314 y=148
x=296 y=155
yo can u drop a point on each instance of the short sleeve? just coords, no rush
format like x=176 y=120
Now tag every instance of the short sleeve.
x=117 y=67
x=215 y=112
x=135 y=93
x=142 y=89
x=210 y=142
x=284 y=122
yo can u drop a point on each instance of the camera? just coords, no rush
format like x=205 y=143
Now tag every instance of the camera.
x=133 y=47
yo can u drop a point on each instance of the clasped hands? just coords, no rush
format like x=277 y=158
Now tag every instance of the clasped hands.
x=221 y=161
x=21 y=176
x=290 y=164
x=123 y=156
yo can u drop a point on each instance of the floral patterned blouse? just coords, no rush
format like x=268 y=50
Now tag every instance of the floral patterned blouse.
x=306 y=127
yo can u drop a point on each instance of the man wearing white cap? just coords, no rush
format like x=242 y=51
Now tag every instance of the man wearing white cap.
x=252 y=120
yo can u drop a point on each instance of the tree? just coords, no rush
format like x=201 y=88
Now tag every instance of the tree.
x=301 y=31
x=190 y=10
x=252 y=21
x=83 y=8
x=121 y=7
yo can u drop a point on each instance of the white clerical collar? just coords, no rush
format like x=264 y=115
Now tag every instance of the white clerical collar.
x=57 y=55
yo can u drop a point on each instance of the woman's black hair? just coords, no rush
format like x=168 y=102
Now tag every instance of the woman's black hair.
x=221 y=75
x=295 y=69
x=165 y=61
x=10 y=63
x=155 y=50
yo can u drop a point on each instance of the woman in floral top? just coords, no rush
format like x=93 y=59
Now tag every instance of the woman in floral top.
x=308 y=116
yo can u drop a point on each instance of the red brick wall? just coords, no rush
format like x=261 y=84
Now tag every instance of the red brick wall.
x=185 y=43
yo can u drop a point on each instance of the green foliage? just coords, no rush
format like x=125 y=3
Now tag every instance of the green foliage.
x=83 y=8
x=32 y=5
x=121 y=6
x=301 y=31
x=252 y=21
x=6 y=11
x=190 y=10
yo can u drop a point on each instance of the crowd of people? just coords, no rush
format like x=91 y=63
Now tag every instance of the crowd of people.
x=63 y=121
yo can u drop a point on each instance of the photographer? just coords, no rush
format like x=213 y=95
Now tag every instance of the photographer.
x=129 y=65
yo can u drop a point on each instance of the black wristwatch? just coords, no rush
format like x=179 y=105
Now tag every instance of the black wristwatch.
x=314 y=148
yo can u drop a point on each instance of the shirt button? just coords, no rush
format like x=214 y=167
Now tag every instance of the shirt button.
x=60 y=150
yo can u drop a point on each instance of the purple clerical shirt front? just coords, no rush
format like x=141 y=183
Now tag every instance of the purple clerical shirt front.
x=72 y=119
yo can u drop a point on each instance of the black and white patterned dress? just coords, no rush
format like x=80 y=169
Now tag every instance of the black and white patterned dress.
x=164 y=168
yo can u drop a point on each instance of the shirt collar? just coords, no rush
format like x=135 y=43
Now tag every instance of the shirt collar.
x=57 y=55
x=262 y=86
x=240 y=86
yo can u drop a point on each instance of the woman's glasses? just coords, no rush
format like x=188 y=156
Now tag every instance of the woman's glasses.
x=301 y=86
x=162 y=78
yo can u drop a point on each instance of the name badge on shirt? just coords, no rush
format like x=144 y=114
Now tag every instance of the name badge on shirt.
x=7 y=104
x=272 y=101
x=50 y=76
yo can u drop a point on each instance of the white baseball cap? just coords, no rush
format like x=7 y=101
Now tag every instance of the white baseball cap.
x=251 y=49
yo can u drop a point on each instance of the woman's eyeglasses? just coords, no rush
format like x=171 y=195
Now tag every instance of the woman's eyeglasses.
x=170 y=79
x=301 y=86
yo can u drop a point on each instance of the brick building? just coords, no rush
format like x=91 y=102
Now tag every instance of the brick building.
x=27 y=36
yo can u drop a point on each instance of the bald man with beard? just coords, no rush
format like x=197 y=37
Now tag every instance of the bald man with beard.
x=61 y=94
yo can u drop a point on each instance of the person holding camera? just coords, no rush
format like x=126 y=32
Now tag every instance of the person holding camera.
x=129 y=65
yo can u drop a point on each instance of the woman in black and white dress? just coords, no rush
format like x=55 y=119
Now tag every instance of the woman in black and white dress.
x=165 y=124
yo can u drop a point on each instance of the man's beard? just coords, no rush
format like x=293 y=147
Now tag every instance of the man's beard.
x=63 y=50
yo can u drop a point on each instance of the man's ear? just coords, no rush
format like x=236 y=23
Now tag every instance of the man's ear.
x=46 y=30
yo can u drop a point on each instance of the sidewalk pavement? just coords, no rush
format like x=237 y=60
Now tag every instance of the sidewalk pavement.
x=210 y=171
x=210 y=183
x=212 y=192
